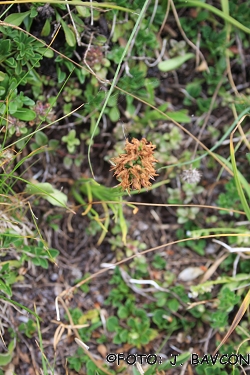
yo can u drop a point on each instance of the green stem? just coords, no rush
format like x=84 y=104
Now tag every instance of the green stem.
x=115 y=78
x=225 y=16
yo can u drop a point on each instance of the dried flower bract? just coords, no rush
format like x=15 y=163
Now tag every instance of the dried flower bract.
x=135 y=168
x=192 y=176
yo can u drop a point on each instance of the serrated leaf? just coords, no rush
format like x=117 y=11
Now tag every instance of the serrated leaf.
x=16 y=18
x=174 y=63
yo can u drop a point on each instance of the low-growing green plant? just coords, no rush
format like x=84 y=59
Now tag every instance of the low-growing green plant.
x=137 y=331
x=9 y=276
x=93 y=191
x=159 y=262
x=120 y=292
x=41 y=140
x=71 y=141
x=7 y=357
x=229 y=199
x=20 y=53
x=28 y=328
x=79 y=359
x=91 y=318
x=186 y=214
x=37 y=253
x=129 y=248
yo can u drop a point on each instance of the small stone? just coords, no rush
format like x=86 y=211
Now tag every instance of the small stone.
x=53 y=277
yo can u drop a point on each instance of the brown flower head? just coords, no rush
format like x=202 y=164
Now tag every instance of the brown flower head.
x=135 y=168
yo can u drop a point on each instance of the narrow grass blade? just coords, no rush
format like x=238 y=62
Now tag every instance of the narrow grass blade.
x=236 y=320
x=241 y=178
x=218 y=12
x=237 y=178
x=133 y=34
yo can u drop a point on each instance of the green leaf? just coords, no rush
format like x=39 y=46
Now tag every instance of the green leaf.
x=112 y=323
x=11 y=346
x=53 y=253
x=67 y=161
x=158 y=318
x=123 y=312
x=25 y=114
x=41 y=138
x=61 y=76
x=173 y=305
x=36 y=261
x=46 y=190
x=83 y=11
x=2 y=76
x=174 y=63
x=69 y=34
x=46 y=28
x=58 y=198
x=5 y=47
x=12 y=107
x=240 y=176
x=5 y=359
x=16 y=18
x=124 y=335
x=114 y=114
x=5 y=288
x=27 y=101
x=44 y=263
x=218 y=12
x=11 y=62
x=2 y=90
x=179 y=116
x=237 y=179
x=46 y=52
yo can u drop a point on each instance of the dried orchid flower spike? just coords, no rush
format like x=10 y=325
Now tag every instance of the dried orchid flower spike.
x=135 y=167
